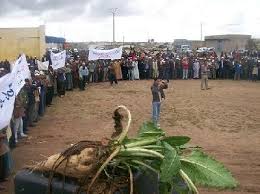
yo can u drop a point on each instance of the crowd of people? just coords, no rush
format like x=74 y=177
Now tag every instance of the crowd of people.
x=38 y=92
x=164 y=65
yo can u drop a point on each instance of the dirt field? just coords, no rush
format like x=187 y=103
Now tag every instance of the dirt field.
x=224 y=120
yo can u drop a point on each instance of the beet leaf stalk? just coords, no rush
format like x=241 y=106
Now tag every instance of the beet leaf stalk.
x=169 y=157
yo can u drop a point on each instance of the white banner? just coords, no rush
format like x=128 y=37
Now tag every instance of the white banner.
x=43 y=65
x=7 y=99
x=21 y=72
x=95 y=54
x=58 y=59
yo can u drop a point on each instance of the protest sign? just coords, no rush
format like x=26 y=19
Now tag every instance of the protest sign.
x=7 y=99
x=43 y=65
x=95 y=54
x=21 y=72
x=58 y=59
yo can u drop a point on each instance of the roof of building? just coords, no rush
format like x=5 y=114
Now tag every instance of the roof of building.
x=228 y=37
x=53 y=39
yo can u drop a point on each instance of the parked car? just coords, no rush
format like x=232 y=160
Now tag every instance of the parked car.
x=202 y=50
x=185 y=48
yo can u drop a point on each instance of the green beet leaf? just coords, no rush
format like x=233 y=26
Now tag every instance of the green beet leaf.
x=148 y=129
x=165 y=188
x=170 y=165
x=206 y=171
x=176 y=140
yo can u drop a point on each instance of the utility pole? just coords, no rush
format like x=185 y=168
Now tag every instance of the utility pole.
x=201 y=31
x=114 y=10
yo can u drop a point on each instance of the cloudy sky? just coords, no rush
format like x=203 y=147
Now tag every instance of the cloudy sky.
x=136 y=20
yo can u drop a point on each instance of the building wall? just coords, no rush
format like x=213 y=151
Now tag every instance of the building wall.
x=227 y=43
x=197 y=44
x=15 y=41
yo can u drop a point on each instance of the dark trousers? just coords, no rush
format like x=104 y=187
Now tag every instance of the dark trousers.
x=82 y=82
x=30 y=117
x=91 y=77
x=179 y=73
x=49 y=95
x=100 y=76
x=25 y=123
x=61 y=87
x=75 y=81
x=166 y=74
x=112 y=79
x=174 y=74
x=146 y=74
x=190 y=75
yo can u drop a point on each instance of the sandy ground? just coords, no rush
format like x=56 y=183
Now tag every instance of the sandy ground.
x=224 y=120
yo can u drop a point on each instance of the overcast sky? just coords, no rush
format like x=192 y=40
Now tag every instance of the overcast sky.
x=136 y=20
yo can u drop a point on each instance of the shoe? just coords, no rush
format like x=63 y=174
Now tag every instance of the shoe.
x=158 y=126
x=16 y=141
x=24 y=135
x=32 y=125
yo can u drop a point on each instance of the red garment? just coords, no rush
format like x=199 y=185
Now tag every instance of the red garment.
x=185 y=65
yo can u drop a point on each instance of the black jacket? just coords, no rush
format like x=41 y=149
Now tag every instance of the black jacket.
x=157 y=93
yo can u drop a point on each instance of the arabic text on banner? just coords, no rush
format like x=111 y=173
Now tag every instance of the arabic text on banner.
x=21 y=72
x=7 y=99
x=95 y=54
x=58 y=59
x=43 y=65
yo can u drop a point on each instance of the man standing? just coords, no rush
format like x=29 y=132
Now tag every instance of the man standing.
x=92 y=67
x=112 y=74
x=196 y=69
x=18 y=113
x=50 y=88
x=237 y=70
x=61 y=82
x=83 y=75
x=185 y=67
x=204 y=75
x=131 y=69
x=158 y=95
x=166 y=70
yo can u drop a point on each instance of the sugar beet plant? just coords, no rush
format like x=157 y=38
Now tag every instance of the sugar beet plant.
x=168 y=156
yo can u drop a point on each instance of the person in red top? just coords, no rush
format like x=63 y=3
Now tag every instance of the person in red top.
x=185 y=68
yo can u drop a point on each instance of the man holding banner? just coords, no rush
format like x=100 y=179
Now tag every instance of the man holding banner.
x=10 y=86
